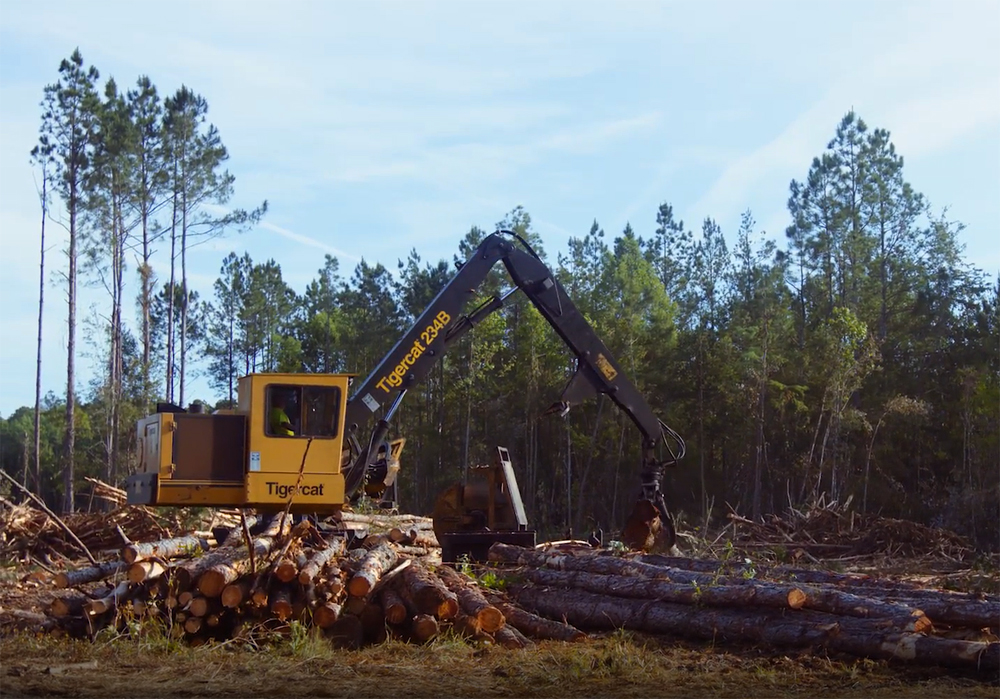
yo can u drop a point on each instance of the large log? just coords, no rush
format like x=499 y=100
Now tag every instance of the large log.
x=950 y=610
x=82 y=576
x=761 y=594
x=165 y=548
x=373 y=623
x=427 y=594
x=320 y=558
x=534 y=625
x=863 y=637
x=376 y=562
x=471 y=600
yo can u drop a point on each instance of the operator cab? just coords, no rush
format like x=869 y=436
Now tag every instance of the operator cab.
x=250 y=456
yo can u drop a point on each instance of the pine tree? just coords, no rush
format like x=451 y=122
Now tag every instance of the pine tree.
x=69 y=123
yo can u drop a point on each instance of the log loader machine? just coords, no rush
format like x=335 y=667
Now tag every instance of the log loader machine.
x=296 y=440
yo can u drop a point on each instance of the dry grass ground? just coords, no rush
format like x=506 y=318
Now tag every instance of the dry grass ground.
x=300 y=665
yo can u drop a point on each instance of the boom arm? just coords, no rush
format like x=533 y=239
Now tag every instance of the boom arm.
x=442 y=323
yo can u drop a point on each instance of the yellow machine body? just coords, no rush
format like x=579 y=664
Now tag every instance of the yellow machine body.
x=244 y=457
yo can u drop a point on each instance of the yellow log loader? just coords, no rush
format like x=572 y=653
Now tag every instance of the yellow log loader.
x=302 y=438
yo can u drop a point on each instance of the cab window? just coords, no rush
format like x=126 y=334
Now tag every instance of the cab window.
x=302 y=411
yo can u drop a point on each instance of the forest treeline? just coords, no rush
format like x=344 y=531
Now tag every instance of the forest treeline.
x=859 y=360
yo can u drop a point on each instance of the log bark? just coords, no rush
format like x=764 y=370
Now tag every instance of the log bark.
x=388 y=521
x=376 y=562
x=466 y=626
x=760 y=594
x=320 y=559
x=24 y=620
x=427 y=594
x=471 y=600
x=949 y=611
x=82 y=576
x=863 y=637
x=165 y=548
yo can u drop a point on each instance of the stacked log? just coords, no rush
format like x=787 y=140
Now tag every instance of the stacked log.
x=899 y=622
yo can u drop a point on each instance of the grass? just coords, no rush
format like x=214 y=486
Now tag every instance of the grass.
x=301 y=663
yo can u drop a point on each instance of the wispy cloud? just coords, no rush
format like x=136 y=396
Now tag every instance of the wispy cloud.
x=306 y=240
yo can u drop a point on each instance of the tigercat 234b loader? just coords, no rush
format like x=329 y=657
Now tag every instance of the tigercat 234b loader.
x=299 y=437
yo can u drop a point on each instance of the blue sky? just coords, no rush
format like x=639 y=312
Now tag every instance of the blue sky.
x=375 y=127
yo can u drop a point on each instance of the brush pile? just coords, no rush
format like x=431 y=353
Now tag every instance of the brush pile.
x=829 y=530
x=29 y=532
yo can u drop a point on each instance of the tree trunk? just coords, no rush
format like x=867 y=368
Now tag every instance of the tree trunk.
x=69 y=444
x=184 y=292
x=171 y=295
x=38 y=354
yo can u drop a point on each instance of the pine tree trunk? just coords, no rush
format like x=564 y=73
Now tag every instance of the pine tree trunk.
x=170 y=297
x=38 y=362
x=146 y=275
x=69 y=444
x=184 y=293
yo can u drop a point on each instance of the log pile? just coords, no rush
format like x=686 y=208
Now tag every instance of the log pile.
x=829 y=530
x=383 y=585
x=777 y=607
